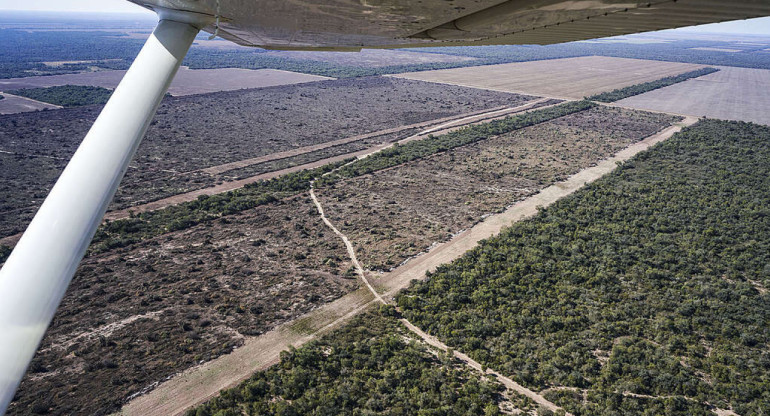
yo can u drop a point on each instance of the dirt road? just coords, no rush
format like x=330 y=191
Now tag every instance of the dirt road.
x=197 y=384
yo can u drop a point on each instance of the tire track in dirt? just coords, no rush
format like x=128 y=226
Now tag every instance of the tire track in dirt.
x=200 y=383
x=429 y=339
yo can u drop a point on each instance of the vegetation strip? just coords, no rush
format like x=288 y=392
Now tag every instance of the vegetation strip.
x=401 y=154
x=621 y=93
x=67 y=95
x=651 y=281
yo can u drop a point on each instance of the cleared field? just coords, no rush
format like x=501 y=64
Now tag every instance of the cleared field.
x=394 y=214
x=186 y=82
x=372 y=57
x=137 y=315
x=13 y=104
x=571 y=78
x=731 y=94
x=717 y=49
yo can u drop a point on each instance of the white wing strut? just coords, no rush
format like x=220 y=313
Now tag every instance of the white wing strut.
x=37 y=273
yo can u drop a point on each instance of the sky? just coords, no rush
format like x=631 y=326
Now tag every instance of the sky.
x=751 y=26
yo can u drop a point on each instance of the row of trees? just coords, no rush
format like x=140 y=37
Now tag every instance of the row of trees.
x=181 y=216
x=653 y=281
x=621 y=93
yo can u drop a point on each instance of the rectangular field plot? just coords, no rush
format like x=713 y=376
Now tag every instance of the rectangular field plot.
x=571 y=78
x=731 y=94
x=186 y=82
x=12 y=104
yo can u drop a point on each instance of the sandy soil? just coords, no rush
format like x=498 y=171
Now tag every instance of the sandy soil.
x=731 y=94
x=570 y=78
x=202 y=382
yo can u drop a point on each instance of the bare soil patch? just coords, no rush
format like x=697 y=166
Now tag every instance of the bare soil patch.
x=572 y=78
x=372 y=57
x=12 y=104
x=730 y=94
x=186 y=82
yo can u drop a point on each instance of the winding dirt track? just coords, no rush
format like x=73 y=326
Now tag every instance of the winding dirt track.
x=200 y=383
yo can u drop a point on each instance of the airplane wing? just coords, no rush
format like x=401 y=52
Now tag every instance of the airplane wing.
x=353 y=24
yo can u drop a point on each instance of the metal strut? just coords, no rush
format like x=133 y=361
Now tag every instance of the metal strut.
x=38 y=271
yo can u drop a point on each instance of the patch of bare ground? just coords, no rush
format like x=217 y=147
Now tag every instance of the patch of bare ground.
x=394 y=214
x=134 y=317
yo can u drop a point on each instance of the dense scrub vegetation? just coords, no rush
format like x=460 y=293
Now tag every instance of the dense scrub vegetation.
x=126 y=231
x=400 y=154
x=67 y=95
x=370 y=366
x=5 y=251
x=650 y=282
x=621 y=93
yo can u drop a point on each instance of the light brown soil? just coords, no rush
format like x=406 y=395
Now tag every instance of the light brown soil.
x=570 y=78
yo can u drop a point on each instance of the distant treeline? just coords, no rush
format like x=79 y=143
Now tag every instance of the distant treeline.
x=621 y=93
x=67 y=95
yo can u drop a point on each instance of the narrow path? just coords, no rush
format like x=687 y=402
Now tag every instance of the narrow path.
x=430 y=340
x=197 y=384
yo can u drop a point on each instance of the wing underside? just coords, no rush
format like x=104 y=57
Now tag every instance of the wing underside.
x=352 y=24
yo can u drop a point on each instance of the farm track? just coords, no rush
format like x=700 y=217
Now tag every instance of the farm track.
x=200 y=383
x=428 y=339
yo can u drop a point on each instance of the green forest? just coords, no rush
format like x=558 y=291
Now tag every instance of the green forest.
x=67 y=95
x=621 y=93
x=646 y=290
x=369 y=366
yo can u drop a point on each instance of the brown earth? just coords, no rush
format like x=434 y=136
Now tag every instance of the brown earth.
x=570 y=78
x=186 y=82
